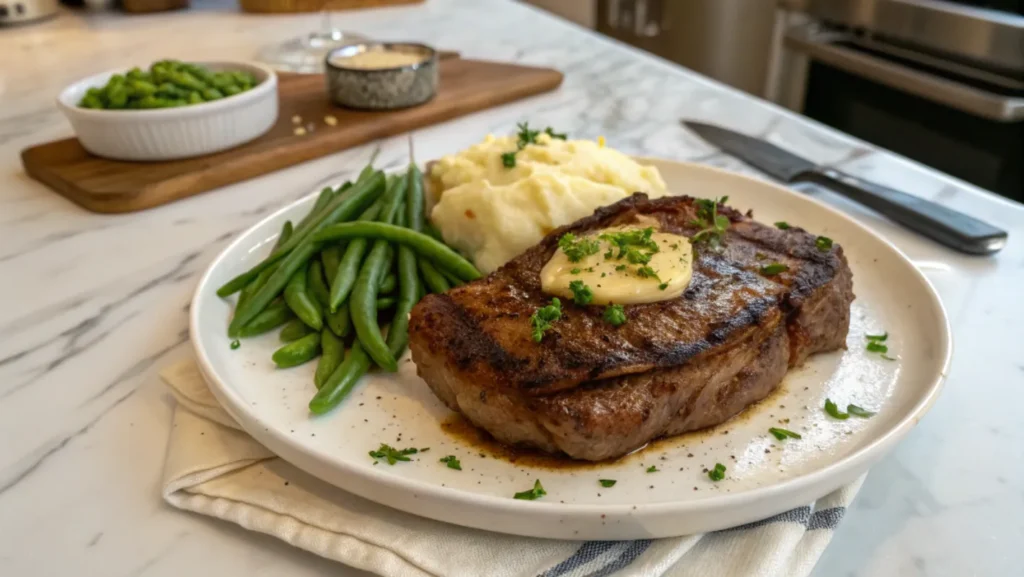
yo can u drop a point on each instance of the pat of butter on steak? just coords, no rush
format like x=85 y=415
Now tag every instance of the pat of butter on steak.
x=593 y=391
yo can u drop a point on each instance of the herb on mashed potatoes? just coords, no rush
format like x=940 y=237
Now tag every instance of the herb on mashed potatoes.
x=551 y=184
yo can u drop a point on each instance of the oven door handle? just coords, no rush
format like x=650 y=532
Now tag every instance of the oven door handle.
x=820 y=46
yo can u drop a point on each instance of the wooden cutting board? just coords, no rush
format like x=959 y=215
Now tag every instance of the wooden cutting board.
x=111 y=186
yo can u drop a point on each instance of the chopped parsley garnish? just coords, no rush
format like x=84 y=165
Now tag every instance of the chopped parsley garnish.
x=663 y=286
x=877 y=347
x=607 y=482
x=636 y=245
x=781 y=434
x=235 y=344
x=674 y=246
x=452 y=462
x=621 y=268
x=774 y=268
x=577 y=250
x=614 y=315
x=576 y=270
x=581 y=293
x=823 y=243
x=859 y=412
x=391 y=454
x=542 y=319
x=718 y=473
x=782 y=225
x=533 y=494
x=652 y=469
x=834 y=411
x=647 y=272
x=526 y=136
x=714 y=224
x=424 y=449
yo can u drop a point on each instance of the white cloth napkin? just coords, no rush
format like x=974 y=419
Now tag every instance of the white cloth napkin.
x=215 y=468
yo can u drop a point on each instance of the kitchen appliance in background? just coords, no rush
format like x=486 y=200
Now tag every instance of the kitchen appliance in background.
x=938 y=81
x=729 y=40
x=24 y=11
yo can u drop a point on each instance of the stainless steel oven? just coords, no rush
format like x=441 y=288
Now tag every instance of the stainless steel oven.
x=940 y=82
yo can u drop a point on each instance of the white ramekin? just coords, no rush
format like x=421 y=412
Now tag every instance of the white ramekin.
x=170 y=133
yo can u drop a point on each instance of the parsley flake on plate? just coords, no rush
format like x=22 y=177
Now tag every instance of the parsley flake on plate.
x=823 y=243
x=452 y=462
x=391 y=454
x=533 y=494
x=782 y=225
x=859 y=412
x=607 y=482
x=652 y=469
x=718 y=473
x=833 y=410
x=781 y=434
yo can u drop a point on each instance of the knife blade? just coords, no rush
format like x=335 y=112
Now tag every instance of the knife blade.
x=944 y=225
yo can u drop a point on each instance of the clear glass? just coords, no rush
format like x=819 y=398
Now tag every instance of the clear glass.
x=306 y=53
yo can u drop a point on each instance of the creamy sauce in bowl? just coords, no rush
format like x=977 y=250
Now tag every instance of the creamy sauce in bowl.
x=377 y=59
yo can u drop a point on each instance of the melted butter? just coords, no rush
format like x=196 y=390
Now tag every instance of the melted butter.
x=616 y=280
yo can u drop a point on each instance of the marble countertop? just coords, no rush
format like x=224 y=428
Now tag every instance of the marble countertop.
x=92 y=306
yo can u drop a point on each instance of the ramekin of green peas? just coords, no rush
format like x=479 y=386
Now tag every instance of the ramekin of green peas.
x=171 y=109
x=166 y=84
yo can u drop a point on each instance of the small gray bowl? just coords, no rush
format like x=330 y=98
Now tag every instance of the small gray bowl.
x=382 y=88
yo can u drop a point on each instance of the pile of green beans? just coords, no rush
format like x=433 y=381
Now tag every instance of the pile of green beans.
x=167 y=83
x=354 y=262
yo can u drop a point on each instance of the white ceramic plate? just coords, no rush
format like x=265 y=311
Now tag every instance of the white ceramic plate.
x=764 y=476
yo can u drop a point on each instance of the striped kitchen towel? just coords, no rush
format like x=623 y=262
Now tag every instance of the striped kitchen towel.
x=214 y=468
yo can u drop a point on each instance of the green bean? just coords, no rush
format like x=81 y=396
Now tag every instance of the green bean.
x=432 y=232
x=269 y=319
x=296 y=294
x=424 y=246
x=298 y=352
x=317 y=288
x=332 y=353
x=414 y=198
x=342 y=380
x=451 y=278
x=294 y=330
x=408 y=294
x=363 y=301
x=384 y=303
x=389 y=284
x=433 y=277
x=342 y=207
x=331 y=258
x=348 y=268
x=252 y=287
x=340 y=322
x=325 y=198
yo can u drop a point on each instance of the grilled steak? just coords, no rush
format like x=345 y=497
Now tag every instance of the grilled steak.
x=594 y=391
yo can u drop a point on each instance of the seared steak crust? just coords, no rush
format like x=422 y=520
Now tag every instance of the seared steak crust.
x=594 y=391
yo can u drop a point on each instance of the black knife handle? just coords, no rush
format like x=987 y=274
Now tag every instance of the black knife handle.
x=945 y=225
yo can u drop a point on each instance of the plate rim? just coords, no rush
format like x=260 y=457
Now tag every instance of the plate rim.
x=863 y=456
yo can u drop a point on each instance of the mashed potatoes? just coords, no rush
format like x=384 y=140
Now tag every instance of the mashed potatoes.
x=493 y=212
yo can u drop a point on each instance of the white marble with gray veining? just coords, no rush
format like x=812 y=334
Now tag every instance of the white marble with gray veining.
x=91 y=306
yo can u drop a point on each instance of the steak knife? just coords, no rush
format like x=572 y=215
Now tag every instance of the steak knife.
x=944 y=225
